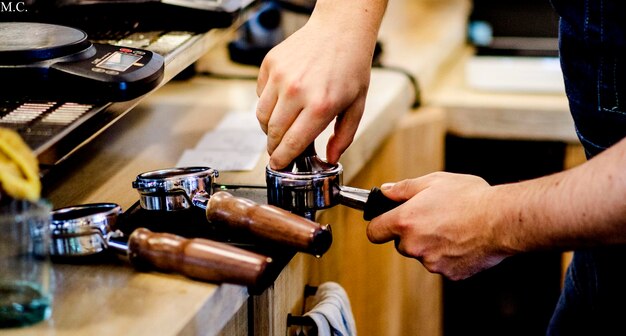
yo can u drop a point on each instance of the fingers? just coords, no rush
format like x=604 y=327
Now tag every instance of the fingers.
x=402 y=248
x=263 y=76
x=345 y=128
x=285 y=113
x=381 y=229
x=404 y=190
x=302 y=132
x=267 y=101
x=394 y=223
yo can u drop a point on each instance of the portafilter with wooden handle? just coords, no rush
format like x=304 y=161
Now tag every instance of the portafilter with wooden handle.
x=175 y=189
x=89 y=229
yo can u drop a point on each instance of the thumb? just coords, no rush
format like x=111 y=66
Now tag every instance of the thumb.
x=403 y=190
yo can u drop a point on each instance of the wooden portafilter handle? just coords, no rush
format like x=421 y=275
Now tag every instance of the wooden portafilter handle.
x=196 y=258
x=269 y=222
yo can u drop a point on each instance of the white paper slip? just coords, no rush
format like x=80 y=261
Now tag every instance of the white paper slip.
x=249 y=140
x=226 y=160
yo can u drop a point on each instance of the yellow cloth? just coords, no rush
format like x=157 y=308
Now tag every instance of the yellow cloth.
x=19 y=169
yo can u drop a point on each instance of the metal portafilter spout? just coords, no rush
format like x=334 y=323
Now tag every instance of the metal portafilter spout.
x=309 y=184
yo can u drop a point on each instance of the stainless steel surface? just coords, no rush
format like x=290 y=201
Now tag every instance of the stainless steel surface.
x=300 y=192
x=82 y=230
x=306 y=185
x=201 y=199
x=309 y=184
x=120 y=247
x=353 y=197
x=174 y=188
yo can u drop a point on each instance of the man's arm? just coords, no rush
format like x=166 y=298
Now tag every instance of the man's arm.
x=458 y=225
x=319 y=73
x=582 y=207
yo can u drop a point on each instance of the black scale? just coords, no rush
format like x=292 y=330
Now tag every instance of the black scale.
x=44 y=61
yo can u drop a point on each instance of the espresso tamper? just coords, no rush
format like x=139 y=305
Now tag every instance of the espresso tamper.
x=309 y=184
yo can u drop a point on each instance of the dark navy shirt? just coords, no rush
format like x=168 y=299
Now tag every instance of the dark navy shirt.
x=593 y=58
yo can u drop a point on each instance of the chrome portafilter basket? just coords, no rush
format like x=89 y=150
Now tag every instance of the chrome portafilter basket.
x=309 y=184
x=84 y=230
x=174 y=189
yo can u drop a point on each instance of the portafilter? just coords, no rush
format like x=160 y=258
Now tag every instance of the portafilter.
x=89 y=229
x=309 y=184
x=175 y=189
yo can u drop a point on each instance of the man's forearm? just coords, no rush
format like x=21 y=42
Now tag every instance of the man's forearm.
x=358 y=18
x=582 y=207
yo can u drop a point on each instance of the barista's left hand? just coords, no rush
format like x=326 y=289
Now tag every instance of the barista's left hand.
x=311 y=78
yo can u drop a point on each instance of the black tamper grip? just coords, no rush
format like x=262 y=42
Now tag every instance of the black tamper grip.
x=377 y=204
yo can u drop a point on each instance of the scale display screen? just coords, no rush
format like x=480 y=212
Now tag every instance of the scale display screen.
x=119 y=61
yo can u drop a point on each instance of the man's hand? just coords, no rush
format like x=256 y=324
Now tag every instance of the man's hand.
x=319 y=73
x=445 y=223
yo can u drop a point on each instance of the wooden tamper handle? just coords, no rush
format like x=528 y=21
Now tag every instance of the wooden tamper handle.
x=196 y=258
x=269 y=222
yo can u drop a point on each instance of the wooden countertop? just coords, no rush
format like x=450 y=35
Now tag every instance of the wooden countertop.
x=111 y=298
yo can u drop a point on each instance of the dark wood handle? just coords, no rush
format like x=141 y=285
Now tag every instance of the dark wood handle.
x=196 y=258
x=269 y=222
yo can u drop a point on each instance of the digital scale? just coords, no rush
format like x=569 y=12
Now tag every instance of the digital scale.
x=43 y=61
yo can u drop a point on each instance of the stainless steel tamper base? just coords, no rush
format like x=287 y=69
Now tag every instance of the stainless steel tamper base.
x=306 y=185
x=309 y=184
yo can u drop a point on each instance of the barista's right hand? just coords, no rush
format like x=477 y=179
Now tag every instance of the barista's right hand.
x=446 y=222
x=314 y=76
